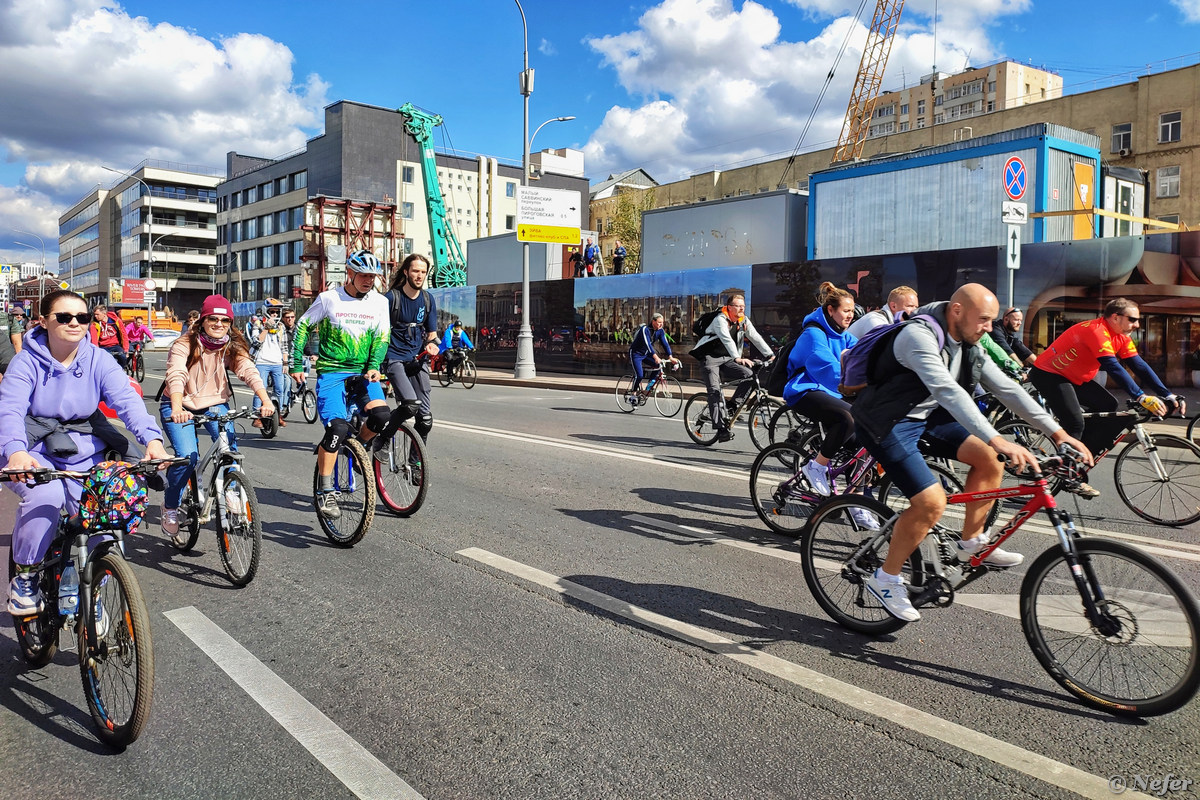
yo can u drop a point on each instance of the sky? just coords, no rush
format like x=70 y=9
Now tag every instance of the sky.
x=675 y=87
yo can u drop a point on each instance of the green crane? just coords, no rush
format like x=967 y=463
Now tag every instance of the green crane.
x=449 y=265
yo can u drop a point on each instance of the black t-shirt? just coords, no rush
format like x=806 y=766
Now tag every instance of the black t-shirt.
x=411 y=322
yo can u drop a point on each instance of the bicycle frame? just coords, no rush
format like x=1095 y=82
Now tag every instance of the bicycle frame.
x=859 y=466
x=208 y=473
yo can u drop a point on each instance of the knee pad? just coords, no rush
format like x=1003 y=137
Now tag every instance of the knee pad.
x=336 y=433
x=378 y=418
x=424 y=424
x=407 y=410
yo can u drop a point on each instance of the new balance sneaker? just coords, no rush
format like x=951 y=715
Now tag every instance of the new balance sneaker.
x=864 y=519
x=327 y=505
x=170 y=524
x=996 y=558
x=817 y=476
x=25 y=595
x=891 y=591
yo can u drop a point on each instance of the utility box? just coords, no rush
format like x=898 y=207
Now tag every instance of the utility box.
x=752 y=229
x=951 y=196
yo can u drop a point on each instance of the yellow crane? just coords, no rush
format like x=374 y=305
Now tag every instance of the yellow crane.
x=867 y=83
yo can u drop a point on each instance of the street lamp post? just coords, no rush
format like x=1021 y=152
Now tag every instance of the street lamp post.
x=42 y=273
x=166 y=267
x=149 y=211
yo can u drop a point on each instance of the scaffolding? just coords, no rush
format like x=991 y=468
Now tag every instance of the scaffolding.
x=353 y=224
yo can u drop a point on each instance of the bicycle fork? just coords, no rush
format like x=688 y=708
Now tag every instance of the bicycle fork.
x=1151 y=450
x=1095 y=604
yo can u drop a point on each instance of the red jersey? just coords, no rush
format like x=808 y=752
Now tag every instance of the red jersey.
x=1076 y=354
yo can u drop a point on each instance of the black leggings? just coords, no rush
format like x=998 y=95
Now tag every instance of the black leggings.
x=1068 y=403
x=833 y=413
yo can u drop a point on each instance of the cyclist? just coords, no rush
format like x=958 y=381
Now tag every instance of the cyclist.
x=1064 y=373
x=137 y=334
x=412 y=317
x=920 y=387
x=642 y=350
x=350 y=324
x=720 y=351
x=48 y=417
x=901 y=302
x=1006 y=333
x=197 y=383
x=107 y=333
x=271 y=347
x=453 y=342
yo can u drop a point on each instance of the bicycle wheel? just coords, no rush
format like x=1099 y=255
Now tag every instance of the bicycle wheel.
x=239 y=531
x=270 y=425
x=759 y=420
x=139 y=368
x=783 y=422
x=668 y=396
x=780 y=495
x=444 y=377
x=468 y=374
x=839 y=554
x=118 y=668
x=402 y=472
x=623 y=391
x=1141 y=656
x=189 y=515
x=1193 y=431
x=308 y=405
x=37 y=635
x=697 y=421
x=355 y=486
x=1172 y=499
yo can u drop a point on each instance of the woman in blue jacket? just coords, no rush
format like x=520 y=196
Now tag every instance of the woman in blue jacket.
x=814 y=370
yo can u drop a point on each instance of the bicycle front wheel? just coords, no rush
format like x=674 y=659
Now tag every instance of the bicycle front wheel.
x=1171 y=497
x=624 y=392
x=1193 y=431
x=698 y=421
x=778 y=491
x=189 y=515
x=308 y=405
x=759 y=420
x=354 y=483
x=402 y=472
x=668 y=396
x=117 y=667
x=1139 y=656
x=444 y=377
x=468 y=374
x=139 y=368
x=239 y=532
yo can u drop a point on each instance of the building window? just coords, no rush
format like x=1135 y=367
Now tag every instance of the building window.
x=281 y=185
x=938 y=119
x=1122 y=137
x=297 y=252
x=297 y=217
x=920 y=122
x=237 y=199
x=252 y=195
x=406 y=174
x=510 y=221
x=281 y=221
x=1168 y=182
x=1170 y=125
x=266 y=191
x=299 y=180
x=903 y=126
x=904 y=108
x=885 y=111
x=407 y=211
x=991 y=86
x=991 y=105
x=1169 y=218
x=408 y=247
x=510 y=190
x=920 y=106
x=937 y=101
x=251 y=228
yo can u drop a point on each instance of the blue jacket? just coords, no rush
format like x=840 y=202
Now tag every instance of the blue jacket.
x=645 y=337
x=816 y=360
x=448 y=340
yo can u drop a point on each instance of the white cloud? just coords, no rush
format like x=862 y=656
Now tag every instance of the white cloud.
x=547 y=48
x=720 y=84
x=1189 y=8
x=85 y=84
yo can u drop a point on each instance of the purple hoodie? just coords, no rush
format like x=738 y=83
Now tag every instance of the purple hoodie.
x=36 y=384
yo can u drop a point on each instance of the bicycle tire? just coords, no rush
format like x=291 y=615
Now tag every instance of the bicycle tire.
x=356 y=483
x=831 y=540
x=697 y=422
x=622 y=390
x=402 y=472
x=1152 y=652
x=668 y=396
x=308 y=405
x=189 y=515
x=1193 y=430
x=240 y=543
x=118 y=681
x=270 y=425
x=779 y=494
x=758 y=421
x=468 y=375
x=139 y=369
x=891 y=496
x=37 y=635
x=444 y=377
x=1036 y=442
x=1175 y=501
x=783 y=422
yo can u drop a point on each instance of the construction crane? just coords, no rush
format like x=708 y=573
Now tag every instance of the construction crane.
x=866 y=85
x=449 y=265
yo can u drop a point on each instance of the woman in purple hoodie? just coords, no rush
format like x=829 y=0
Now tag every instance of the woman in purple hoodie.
x=48 y=417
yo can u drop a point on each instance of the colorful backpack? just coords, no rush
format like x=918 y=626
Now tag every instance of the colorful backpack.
x=113 y=498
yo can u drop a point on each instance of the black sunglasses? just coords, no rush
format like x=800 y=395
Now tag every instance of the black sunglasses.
x=64 y=317
x=1131 y=319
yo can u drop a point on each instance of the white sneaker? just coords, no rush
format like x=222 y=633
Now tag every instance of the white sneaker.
x=891 y=591
x=170 y=523
x=817 y=476
x=996 y=558
x=864 y=519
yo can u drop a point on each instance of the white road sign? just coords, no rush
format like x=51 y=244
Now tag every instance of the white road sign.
x=1014 y=213
x=1013 y=244
x=548 y=215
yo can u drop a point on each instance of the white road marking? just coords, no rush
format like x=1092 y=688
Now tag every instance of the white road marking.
x=350 y=762
x=998 y=751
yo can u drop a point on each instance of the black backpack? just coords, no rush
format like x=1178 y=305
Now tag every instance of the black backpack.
x=777 y=380
x=703 y=321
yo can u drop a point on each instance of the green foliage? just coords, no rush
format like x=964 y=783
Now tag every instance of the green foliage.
x=627 y=224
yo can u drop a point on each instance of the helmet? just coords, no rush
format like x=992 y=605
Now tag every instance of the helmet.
x=113 y=498
x=364 y=261
x=457 y=323
x=271 y=306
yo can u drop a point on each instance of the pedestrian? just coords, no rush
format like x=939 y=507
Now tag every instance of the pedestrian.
x=619 y=254
x=591 y=256
x=576 y=263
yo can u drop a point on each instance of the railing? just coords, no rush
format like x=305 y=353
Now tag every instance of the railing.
x=172 y=222
x=191 y=251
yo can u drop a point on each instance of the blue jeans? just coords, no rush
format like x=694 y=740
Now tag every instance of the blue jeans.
x=184 y=443
x=273 y=372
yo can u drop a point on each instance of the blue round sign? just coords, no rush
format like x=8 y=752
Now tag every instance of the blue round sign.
x=1014 y=178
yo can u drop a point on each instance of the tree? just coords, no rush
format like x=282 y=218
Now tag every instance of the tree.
x=626 y=224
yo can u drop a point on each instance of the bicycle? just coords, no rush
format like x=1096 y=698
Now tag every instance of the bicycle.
x=665 y=389
x=758 y=406
x=1157 y=475
x=218 y=491
x=400 y=465
x=269 y=426
x=135 y=364
x=1110 y=624
x=307 y=398
x=116 y=652
x=460 y=368
x=1193 y=430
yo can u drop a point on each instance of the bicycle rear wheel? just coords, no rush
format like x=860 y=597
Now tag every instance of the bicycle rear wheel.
x=139 y=368
x=444 y=377
x=468 y=374
x=623 y=392
x=354 y=482
x=759 y=420
x=308 y=405
x=117 y=669
x=1140 y=657
x=1173 y=499
x=239 y=535
x=37 y=635
x=668 y=396
x=698 y=422
x=779 y=493
x=402 y=472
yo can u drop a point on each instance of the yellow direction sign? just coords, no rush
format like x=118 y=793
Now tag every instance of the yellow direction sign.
x=550 y=234
x=548 y=215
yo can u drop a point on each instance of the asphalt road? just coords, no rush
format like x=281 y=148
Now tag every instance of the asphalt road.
x=586 y=606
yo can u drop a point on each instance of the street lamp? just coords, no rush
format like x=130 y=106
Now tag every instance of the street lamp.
x=42 y=273
x=149 y=210
x=166 y=266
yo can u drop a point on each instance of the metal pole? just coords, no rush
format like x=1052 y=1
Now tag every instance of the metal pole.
x=525 y=368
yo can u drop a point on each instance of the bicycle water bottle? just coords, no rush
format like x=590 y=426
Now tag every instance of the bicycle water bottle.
x=68 y=590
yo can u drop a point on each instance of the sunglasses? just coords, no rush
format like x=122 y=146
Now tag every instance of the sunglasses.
x=1131 y=319
x=219 y=320
x=65 y=317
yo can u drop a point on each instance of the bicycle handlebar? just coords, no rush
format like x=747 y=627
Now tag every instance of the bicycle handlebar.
x=1066 y=463
x=209 y=416
x=42 y=475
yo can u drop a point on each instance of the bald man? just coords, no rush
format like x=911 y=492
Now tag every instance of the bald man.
x=920 y=389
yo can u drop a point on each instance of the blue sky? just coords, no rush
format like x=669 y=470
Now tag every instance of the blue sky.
x=675 y=86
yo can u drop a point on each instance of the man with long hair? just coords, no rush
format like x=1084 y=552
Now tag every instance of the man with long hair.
x=412 y=316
